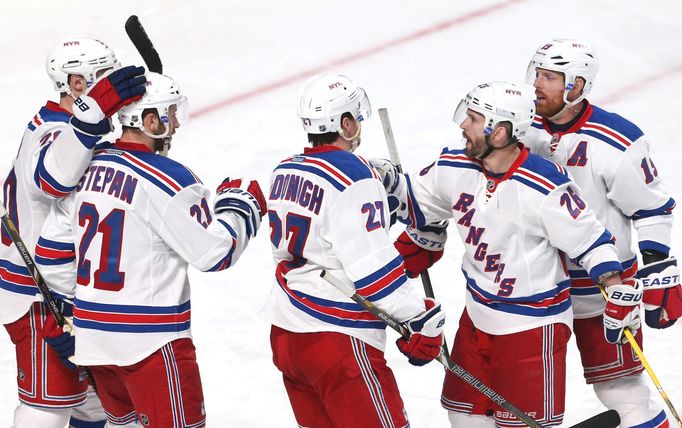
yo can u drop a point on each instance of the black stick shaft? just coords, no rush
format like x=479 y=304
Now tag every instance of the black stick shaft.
x=48 y=298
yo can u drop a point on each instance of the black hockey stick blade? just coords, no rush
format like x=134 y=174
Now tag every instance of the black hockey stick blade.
x=143 y=45
x=607 y=419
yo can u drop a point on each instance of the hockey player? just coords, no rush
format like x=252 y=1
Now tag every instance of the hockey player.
x=120 y=245
x=54 y=152
x=608 y=156
x=328 y=210
x=512 y=210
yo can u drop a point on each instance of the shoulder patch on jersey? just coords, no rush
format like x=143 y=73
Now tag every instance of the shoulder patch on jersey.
x=611 y=128
x=540 y=174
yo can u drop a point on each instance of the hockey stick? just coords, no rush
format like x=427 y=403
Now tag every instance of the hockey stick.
x=640 y=354
x=144 y=46
x=608 y=419
x=349 y=291
x=395 y=158
x=48 y=298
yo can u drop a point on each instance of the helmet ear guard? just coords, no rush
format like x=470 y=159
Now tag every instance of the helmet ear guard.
x=574 y=58
x=80 y=56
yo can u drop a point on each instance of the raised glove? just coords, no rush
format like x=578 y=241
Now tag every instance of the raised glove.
x=426 y=335
x=622 y=310
x=662 y=292
x=246 y=200
x=59 y=338
x=422 y=247
x=92 y=110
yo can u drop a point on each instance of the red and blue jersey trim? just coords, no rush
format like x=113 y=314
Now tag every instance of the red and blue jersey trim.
x=226 y=261
x=540 y=174
x=17 y=279
x=382 y=282
x=51 y=112
x=583 y=285
x=610 y=128
x=50 y=253
x=457 y=159
x=659 y=421
x=344 y=314
x=45 y=181
x=166 y=174
x=131 y=318
x=336 y=166
x=547 y=303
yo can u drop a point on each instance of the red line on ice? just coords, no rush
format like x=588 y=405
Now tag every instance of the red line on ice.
x=354 y=57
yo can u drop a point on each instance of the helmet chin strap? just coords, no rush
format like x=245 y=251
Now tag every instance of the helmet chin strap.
x=355 y=139
x=491 y=149
x=162 y=145
x=162 y=142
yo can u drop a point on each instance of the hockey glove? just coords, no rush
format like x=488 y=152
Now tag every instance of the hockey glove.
x=60 y=338
x=393 y=182
x=92 y=110
x=422 y=247
x=662 y=292
x=426 y=335
x=622 y=310
x=246 y=200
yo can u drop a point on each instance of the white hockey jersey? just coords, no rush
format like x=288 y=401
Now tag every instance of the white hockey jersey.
x=328 y=210
x=50 y=161
x=511 y=227
x=120 y=245
x=608 y=157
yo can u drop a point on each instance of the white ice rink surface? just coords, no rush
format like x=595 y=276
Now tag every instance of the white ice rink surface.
x=241 y=64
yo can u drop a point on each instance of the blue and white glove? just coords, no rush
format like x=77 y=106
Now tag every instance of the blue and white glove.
x=426 y=335
x=394 y=183
x=92 y=111
x=622 y=310
x=246 y=200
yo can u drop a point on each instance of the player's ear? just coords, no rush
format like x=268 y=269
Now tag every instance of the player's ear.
x=150 y=120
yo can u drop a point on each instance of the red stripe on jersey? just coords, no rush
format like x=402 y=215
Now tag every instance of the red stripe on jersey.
x=16 y=278
x=383 y=282
x=588 y=283
x=536 y=178
x=50 y=253
x=124 y=318
x=154 y=171
x=545 y=303
x=331 y=170
x=608 y=131
x=45 y=186
x=360 y=315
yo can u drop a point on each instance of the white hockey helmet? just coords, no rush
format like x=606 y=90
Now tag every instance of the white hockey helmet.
x=500 y=102
x=573 y=58
x=324 y=99
x=164 y=96
x=81 y=56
